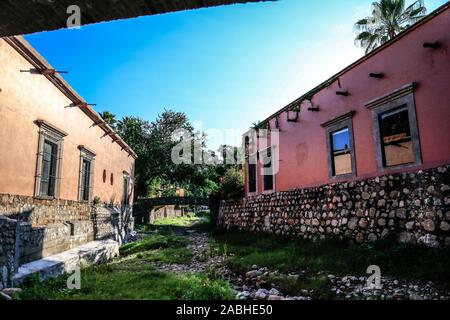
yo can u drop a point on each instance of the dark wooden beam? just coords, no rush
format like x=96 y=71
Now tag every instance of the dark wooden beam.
x=342 y=93
x=435 y=45
x=377 y=75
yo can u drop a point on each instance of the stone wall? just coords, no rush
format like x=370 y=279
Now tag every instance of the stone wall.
x=8 y=249
x=413 y=206
x=41 y=212
x=112 y=222
x=145 y=212
x=31 y=229
x=40 y=242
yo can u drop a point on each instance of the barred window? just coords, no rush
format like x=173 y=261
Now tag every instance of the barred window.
x=267 y=170
x=86 y=175
x=48 y=169
x=49 y=156
x=126 y=189
x=252 y=183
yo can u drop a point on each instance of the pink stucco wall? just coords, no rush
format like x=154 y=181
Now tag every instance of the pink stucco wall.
x=303 y=152
x=26 y=97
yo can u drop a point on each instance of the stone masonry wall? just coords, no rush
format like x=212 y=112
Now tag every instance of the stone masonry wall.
x=41 y=212
x=145 y=212
x=32 y=229
x=413 y=206
x=8 y=239
x=112 y=222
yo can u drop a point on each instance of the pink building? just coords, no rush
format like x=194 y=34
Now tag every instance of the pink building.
x=66 y=176
x=364 y=156
x=388 y=112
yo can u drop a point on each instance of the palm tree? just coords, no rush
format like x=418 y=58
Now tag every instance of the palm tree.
x=109 y=118
x=388 y=19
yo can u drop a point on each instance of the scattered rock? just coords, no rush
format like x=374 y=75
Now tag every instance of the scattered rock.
x=253 y=274
x=261 y=294
x=11 y=291
x=274 y=292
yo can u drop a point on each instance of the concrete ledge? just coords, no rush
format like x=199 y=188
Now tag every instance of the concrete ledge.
x=91 y=253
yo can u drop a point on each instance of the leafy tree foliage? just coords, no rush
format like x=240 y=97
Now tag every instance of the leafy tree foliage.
x=232 y=184
x=153 y=143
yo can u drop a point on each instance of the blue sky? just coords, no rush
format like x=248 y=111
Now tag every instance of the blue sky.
x=225 y=67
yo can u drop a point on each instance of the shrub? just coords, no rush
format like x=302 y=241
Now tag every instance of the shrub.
x=232 y=184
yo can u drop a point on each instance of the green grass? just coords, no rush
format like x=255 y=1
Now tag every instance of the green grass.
x=129 y=280
x=168 y=256
x=337 y=257
x=154 y=242
x=184 y=221
x=134 y=276
x=197 y=222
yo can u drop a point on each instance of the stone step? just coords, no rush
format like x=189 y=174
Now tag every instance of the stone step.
x=91 y=253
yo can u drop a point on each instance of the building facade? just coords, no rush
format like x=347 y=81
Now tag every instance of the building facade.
x=388 y=112
x=66 y=176
x=362 y=156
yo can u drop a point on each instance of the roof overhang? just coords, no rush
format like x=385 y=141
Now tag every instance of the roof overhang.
x=39 y=63
x=30 y=16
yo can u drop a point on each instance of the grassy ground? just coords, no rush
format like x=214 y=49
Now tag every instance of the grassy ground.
x=189 y=220
x=135 y=274
x=337 y=257
x=318 y=259
x=129 y=280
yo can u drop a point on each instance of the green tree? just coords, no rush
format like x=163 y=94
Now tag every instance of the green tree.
x=388 y=19
x=155 y=171
x=136 y=133
x=153 y=143
x=232 y=184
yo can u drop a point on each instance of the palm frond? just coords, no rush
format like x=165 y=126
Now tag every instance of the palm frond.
x=388 y=19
